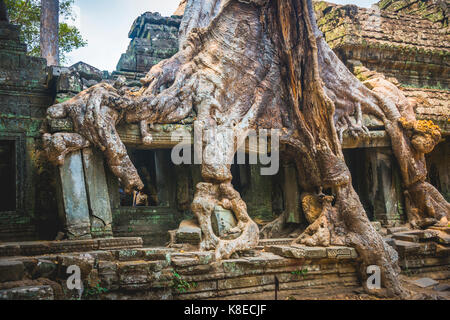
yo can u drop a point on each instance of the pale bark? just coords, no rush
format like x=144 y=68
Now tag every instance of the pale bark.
x=49 y=38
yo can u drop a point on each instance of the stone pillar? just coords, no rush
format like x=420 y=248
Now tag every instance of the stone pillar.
x=74 y=198
x=259 y=195
x=291 y=194
x=384 y=185
x=97 y=194
x=161 y=162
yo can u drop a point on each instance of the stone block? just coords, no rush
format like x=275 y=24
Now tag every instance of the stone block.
x=405 y=237
x=107 y=272
x=405 y=247
x=86 y=264
x=120 y=243
x=11 y=271
x=76 y=208
x=337 y=252
x=129 y=255
x=9 y=250
x=397 y=230
x=69 y=82
x=98 y=195
x=312 y=252
x=244 y=282
x=223 y=221
x=191 y=258
x=44 y=269
x=271 y=242
x=28 y=293
x=298 y=251
x=425 y=282
x=189 y=232
x=137 y=274
x=157 y=254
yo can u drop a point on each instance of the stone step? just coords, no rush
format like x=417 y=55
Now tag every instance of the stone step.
x=28 y=293
x=405 y=237
x=442 y=229
x=35 y=248
x=11 y=271
x=397 y=229
x=406 y=247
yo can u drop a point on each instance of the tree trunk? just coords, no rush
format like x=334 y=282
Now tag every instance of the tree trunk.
x=49 y=39
x=3 y=11
x=262 y=64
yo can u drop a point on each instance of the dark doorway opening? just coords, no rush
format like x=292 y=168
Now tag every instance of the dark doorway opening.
x=7 y=175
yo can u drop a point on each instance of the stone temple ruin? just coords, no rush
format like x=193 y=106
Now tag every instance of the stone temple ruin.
x=132 y=245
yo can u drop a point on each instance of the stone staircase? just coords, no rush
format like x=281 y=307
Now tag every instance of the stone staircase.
x=422 y=251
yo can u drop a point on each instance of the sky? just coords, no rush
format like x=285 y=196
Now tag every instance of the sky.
x=105 y=25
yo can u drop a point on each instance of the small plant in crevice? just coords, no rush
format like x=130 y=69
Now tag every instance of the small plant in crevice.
x=181 y=285
x=94 y=292
x=302 y=272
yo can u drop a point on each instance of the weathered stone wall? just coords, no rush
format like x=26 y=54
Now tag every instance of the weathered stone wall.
x=433 y=10
x=154 y=38
x=122 y=269
x=410 y=48
x=24 y=98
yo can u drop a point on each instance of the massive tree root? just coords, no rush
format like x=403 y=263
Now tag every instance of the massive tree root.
x=263 y=64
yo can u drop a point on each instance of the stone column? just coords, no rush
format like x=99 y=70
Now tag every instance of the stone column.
x=259 y=195
x=384 y=185
x=161 y=162
x=74 y=198
x=97 y=194
x=291 y=194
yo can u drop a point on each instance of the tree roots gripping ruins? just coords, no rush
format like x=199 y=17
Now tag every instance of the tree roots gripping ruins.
x=263 y=64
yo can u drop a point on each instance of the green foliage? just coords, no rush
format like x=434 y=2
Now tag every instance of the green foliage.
x=302 y=272
x=27 y=14
x=181 y=285
x=94 y=292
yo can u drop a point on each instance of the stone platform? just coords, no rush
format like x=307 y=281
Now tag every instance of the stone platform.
x=36 y=248
x=166 y=273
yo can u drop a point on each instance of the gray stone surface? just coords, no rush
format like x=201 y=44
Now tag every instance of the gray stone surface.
x=28 y=293
x=188 y=232
x=297 y=251
x=98 y=196
x=442 y=287
x=223 y=221
x=74 y=195
x=11 y=271
x=425 y=282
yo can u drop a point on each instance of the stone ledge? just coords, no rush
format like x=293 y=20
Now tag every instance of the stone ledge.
x=304 y=252
x=35 y=248
x=28 y=293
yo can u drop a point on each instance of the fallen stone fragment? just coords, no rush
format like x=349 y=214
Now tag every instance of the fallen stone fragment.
x=425 y=282
x=189 y=232
x=442 y=287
